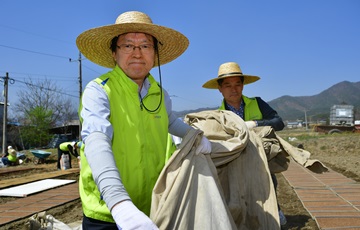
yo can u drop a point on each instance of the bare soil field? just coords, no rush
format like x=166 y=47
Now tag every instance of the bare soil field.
x=339 y=152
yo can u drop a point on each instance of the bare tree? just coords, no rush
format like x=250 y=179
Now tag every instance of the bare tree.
x=48 y=96
x=42 y=106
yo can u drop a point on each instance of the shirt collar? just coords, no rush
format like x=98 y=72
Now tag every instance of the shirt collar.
x=240 y=111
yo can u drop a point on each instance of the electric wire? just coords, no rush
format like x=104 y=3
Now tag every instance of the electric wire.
x=35 y=52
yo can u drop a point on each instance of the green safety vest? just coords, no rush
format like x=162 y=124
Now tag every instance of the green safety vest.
x=12 y=155
x=251 y=111
x=64 y=146
x=139 y=144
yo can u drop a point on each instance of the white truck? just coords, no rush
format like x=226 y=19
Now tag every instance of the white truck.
x=341 y=120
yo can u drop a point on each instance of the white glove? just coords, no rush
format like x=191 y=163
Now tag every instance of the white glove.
x=204 y=147
x=250 y=124
x=128 y=217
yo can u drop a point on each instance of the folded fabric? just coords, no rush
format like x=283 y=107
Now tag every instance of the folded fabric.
x=229 y=189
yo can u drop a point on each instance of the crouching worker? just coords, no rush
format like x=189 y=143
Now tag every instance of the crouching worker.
x=68 y=149
x=10 y=158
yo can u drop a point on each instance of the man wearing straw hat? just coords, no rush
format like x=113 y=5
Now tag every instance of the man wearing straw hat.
x=254 y=111
x=126 y=119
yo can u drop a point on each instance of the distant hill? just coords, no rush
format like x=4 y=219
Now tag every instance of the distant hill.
x=317 y=106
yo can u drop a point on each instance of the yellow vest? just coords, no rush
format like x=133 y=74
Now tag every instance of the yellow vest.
x=251 y=110
x=64 y=146
x=12 y=155
x=139 y=143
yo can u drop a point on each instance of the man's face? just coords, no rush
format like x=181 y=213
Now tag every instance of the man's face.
x=136 y=64
x=231 y=89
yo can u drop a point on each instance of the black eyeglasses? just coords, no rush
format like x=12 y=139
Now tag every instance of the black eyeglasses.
x=129 y=48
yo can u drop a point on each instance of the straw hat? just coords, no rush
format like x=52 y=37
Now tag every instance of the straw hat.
x=229 y=69
x=95 y=43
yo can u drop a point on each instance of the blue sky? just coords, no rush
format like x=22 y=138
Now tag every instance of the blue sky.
x=298 y=48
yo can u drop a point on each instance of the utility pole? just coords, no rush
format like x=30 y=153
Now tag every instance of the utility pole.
x=4 y=140
x=306 y=122
x=80 y=89
x=80 y=77
x=80 y=85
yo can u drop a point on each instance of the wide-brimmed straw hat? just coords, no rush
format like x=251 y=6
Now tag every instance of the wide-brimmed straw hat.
x=95 y=43
x=229 y=69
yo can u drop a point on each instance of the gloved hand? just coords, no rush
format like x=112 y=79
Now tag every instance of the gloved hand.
x=204 y=147
x=128 y=217
x=250 y=124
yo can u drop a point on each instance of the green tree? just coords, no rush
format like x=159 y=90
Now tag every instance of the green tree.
x=36 y=132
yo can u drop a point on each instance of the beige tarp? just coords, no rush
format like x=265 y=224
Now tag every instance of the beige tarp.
x=229 y=189
x=279 y=152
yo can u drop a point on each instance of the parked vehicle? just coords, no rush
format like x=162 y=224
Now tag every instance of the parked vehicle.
x=341 y=120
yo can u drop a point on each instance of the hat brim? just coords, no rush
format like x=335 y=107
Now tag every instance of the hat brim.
x=213 y=83
x=95 y=43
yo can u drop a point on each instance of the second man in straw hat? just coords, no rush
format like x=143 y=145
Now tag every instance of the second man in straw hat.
x=254 y=111
x=126 y=117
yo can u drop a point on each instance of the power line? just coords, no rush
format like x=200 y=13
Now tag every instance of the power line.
x=61 y=78
x=12 y=81
x=48 y=89
x=38 y=35
x=90 y=68
x=45 y=54
x=29 y=51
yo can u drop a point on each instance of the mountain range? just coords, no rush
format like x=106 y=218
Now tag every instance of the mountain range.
x=316 y=107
